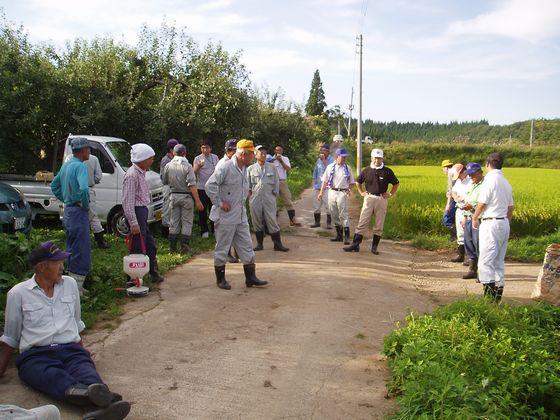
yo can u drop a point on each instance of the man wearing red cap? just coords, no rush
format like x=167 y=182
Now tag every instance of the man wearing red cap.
x=43 y=321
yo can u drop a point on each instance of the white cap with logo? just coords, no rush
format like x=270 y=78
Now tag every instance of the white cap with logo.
x=377 y=153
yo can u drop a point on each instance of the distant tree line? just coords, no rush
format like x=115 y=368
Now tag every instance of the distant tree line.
x=167 y=86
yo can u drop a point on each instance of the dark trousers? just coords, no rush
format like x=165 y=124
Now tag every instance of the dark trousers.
x=76 y=225
x=54 y=369
x=205 y=224
x=471 y=240
x=149 y=241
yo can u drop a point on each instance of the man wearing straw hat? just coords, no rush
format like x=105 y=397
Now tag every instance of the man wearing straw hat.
x=228 y=189
x=135 y=199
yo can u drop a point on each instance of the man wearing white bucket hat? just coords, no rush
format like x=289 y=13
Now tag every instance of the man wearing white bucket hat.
x=338 y=179
x=377 y=178
x=135 y=199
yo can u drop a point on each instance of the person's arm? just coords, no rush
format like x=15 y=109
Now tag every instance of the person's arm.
x=323 y=185
x=510 y=213
x=361 y=179
x=393 y=191
x=56 y=187
x=83 y=185
x=477 y=213
x=78 y=310
x=212 y=187
x=128 y=201
x=5 y=354
x=285 y=162
x=97 y=172
x=12 y=330
x=276 y=189
x=324 y=182
x=196 y=165
x=191 y=183
x=164 y=175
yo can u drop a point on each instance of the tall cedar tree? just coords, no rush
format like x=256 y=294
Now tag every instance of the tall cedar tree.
x=316 y=103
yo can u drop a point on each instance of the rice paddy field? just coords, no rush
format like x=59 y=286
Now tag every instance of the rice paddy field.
x=415 y=213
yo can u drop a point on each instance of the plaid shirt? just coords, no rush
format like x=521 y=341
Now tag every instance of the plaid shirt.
x=136 y=193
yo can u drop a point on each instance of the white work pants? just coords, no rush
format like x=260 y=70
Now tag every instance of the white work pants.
x=181 y=208
x=94 y=222
x=237 y=236
x=493 y=240
x=460 y=231
x=338 y=206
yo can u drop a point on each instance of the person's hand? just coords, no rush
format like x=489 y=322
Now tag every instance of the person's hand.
x=446 y=209
x=279 y=158
x=320 y=196
x=199 y=205
x=226 y=206
x=135 y=229
x=363 y=193
x=468 y=206
x=386 y=195
x=463 y=223
x=475 y=223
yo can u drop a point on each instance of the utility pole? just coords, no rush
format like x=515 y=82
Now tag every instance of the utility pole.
x=359 y=134
x=350 y=108
x=531 y=136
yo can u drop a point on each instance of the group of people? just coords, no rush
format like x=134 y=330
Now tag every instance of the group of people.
x=332 y=184
x=478 y=213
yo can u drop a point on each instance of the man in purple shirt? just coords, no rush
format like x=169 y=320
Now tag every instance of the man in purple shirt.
x=135 y=199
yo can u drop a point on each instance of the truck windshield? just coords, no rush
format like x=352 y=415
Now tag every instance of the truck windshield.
x=121 y=151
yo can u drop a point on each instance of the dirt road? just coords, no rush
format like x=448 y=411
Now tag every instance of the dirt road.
x=307 y=346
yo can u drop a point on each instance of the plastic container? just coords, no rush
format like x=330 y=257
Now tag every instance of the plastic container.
x=136 y=265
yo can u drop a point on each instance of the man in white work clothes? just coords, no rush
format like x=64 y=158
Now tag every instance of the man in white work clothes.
x=338 y=179
x=492 y=217
x=228 y=189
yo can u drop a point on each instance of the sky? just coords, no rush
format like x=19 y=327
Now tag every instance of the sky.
x=423 y=60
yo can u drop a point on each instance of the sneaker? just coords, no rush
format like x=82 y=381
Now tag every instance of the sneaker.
x=205 y=235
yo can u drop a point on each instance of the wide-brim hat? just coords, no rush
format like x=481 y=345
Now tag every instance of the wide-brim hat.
x=457 y=169
x=446 y=162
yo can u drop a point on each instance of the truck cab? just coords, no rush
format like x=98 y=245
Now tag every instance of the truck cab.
x=114 y=157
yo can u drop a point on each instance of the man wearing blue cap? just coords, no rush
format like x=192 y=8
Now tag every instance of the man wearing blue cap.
x=166 y=211
x=71 y=186
x=338 y=179
x=43 y=321
x=474 y=171
x=321 y=164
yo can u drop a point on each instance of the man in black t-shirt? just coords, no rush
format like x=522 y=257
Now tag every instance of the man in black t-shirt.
x=377 y=178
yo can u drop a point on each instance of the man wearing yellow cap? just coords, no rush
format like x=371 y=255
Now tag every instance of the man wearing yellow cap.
x=228 y=188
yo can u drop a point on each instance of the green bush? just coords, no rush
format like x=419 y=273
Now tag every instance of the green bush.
x=474 y=359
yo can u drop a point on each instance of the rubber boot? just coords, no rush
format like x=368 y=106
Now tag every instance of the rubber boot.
x=155 y=276
x=96 y=394
x=172 y=242
x=292 y=216
x=260 y=239
x=460 y=257
x=185 y=240
x=100 y=241
x=355 y=245
x=338 y=237
x=232 y=256
x=329 y=221
x=221 y=277
x=251 y=278
x=278 y=246
x=118 y=410
x=490 y=291
x=164 y=231
x=80 y=280
x=473 y=270
x=346 y=236
x=317 y=223
x=499 y=293
x=374 y=244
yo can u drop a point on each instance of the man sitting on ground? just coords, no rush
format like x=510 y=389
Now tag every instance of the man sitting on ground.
x=43 y=320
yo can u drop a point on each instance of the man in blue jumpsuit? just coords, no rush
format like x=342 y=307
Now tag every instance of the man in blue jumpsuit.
x=71 y=186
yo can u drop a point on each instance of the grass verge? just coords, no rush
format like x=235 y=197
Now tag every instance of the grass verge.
x=474 y=359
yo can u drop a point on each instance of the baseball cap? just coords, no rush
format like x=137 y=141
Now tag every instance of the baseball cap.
x=457 y=169
x=47 y=251
x=231 y=144
x=246 y=145
x=325 y=146
x=260 y=146
x=171 y=143
x=377 y=153
x=78 y=143
x=446 y=162
x=342 y=152
x=473 y=168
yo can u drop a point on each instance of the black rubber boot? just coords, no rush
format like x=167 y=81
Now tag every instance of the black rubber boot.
x=329 y=221
x=338 y=237
x=490 y=291
x=96 y=394
x=100 y=241
x=232 y=256
x=374 y=244
x=317 y=223
x=221 y=277
x=346 y=236
x=292 y=216
x=473 y=270
x=118 y=410
x=172 y=242
x=260 y=239
x=355 y=245
x=499 y=294
x=185 y=240
x=251 y=278
x=460 y=257
x=278 y=242
x=164 y=231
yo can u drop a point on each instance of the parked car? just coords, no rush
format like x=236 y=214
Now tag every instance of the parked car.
x=15 y=212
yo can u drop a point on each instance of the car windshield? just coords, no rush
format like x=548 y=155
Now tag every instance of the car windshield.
x=121 y=151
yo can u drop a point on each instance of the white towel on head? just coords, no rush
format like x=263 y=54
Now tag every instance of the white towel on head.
x=140 y=152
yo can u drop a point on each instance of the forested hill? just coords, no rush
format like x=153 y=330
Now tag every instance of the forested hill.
x=546 y=132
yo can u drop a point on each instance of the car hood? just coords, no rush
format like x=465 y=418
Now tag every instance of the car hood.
x=153 y=180
x=8 y=194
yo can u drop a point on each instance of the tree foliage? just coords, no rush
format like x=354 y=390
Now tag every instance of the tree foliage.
x=316 y=102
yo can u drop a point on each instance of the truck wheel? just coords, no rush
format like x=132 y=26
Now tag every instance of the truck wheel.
x=119 y=225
